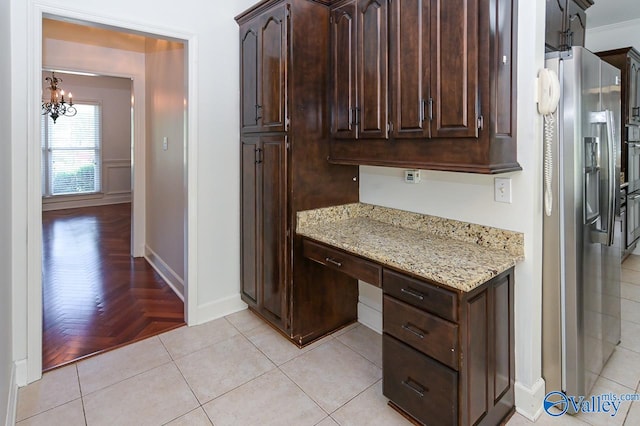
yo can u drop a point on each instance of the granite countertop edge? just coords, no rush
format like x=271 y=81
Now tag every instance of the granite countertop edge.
x=457 y=255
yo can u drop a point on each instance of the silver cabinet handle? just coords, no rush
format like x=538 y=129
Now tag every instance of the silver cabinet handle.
x=414 y=330
x=333 y=262
x=420 y=390
x=413 y=293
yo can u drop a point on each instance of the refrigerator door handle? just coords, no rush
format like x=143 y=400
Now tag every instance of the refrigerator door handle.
x=605 y=236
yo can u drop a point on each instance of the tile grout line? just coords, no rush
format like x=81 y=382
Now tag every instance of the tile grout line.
x=355 y=396
x=306 y=394
x=286 y=362
x=317 y=403
x=126 y=378
x=359 y=354
x=84 y=411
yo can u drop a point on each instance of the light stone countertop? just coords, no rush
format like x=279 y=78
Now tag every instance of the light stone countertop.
x=456 y=254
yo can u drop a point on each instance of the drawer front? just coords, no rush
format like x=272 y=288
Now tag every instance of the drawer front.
x=425 y=332
x=419 y=385
x=418 y=293
x=351 y=265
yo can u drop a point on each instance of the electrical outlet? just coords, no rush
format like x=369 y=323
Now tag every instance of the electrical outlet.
x=412 y=176
x=502 y=190
x=165 y=143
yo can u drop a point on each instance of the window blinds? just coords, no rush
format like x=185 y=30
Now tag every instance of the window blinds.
x=71 y=152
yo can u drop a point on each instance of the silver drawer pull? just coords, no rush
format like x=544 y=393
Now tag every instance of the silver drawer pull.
x=413 y=293
x=333 y=262
x=417 y=388
x=414 y=330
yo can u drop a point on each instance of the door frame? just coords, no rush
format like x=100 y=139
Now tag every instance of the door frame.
x=34 y=185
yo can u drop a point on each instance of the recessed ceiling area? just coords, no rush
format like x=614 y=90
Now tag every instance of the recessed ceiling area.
x=609 y=12
x=92 y=35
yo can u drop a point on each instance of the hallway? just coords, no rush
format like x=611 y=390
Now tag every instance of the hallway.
x=97 y=297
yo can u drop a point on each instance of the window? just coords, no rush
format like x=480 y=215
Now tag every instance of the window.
x=71 y=152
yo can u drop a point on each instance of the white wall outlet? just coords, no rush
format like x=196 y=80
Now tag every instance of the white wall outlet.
x=502 y=190
x=412 y=176
x=165 y=143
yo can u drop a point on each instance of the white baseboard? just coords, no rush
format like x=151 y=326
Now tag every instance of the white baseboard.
x=85 y=201
x=218 y=309
x=529 y=400
x=166 y=272
x=12 y=402
x=22 y=373
x=370 y=306
x=370 y=317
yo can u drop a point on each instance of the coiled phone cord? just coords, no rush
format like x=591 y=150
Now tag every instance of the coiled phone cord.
x=549 y=126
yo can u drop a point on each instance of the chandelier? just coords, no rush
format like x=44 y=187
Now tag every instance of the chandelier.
x=57 y=106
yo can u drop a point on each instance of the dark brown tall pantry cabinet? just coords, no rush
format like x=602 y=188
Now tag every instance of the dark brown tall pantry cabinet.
x=284 y=146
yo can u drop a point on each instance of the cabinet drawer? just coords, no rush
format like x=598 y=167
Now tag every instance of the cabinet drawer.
x=418 y=293
x=425 y=332
x=419 y=385
x=349 y=264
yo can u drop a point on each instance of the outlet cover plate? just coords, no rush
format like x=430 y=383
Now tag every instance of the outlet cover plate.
x=502 y=190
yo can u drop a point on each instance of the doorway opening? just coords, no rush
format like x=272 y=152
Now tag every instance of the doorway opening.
x=114 y=256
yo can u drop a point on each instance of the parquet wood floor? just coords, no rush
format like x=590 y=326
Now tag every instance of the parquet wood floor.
x=97 y=297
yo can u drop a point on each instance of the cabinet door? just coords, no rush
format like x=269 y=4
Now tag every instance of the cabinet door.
x=634 y=92
x=249 y=77
x=272 y=106
x=372 y=109
x=454 y=77
x=409 y=31
x=273 y=165
x=250 y=221
x=554 y=24
x=576 y=23
x=343 y=72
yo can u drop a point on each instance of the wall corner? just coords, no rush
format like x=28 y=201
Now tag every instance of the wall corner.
x=12 y=400
x=529 y=399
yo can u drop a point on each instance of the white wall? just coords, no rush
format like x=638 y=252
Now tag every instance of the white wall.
x=614 y=36
x=166 y=191
x=114 y=96
x=6 y=355
x=469 y=198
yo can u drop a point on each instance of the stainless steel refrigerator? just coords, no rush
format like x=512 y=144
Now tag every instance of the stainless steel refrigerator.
x=581 y=253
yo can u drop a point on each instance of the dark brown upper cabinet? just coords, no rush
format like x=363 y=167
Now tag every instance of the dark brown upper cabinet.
x=566 y=22
x=634 y=89
x=627 y=60
x=454 y=82
x=434 y=93
x=410 y=59
x=263 y=56
x=360 y=69
x=449 y=91
x=343 y=70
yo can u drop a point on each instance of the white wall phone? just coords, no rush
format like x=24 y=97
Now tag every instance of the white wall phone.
x=548 y=97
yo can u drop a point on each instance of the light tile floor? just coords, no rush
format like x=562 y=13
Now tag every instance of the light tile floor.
x=622 y=372
x=232 y=371
x=239 y=371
